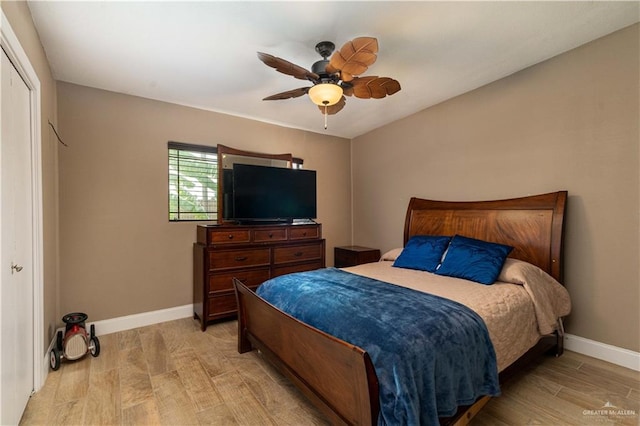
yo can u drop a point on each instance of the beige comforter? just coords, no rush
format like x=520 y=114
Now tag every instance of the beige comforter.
x=518 y=309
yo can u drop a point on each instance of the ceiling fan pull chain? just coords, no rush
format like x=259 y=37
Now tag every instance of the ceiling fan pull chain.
x=325 y=117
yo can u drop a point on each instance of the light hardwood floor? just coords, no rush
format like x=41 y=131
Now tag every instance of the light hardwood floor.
x=172 y=373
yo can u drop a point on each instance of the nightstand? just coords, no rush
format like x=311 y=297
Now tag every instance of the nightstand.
x=354 y=255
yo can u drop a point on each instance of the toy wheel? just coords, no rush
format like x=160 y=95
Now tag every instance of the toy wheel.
x=54 y=359
x=94 y=346
x=92 y=330
x=75 y=318
x=59 y=340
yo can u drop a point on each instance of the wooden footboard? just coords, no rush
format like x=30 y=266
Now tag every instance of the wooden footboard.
x=336 y=376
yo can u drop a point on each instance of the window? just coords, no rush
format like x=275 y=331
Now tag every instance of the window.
x=193 y=182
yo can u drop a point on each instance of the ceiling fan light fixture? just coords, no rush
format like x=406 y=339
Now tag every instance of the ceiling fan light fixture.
x=325 y=94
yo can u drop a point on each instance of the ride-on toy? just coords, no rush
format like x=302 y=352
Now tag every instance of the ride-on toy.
x=75 y=343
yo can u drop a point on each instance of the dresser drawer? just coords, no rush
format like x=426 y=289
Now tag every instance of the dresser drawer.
x=297 y=253
x=290 y=269
x=304 y=232
x=229 y=236
x=265 y=235
x=250 y=278
x=241 y=258
x=222 y=305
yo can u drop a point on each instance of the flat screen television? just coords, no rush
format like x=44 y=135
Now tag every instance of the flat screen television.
x=273 y=194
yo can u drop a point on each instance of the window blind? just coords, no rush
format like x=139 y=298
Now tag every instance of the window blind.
x=193 y=182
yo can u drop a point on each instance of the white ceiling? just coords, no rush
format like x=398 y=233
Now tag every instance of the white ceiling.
x=203 y=54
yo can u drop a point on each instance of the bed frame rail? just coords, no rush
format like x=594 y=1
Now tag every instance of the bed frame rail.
x=338 y=377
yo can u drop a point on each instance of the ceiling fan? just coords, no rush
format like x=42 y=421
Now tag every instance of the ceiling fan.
x=333 y=78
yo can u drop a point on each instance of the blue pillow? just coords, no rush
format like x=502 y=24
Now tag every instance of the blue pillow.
x=474 y=260
x=422 y=252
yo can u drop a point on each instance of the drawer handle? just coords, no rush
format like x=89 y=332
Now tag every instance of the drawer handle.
x=270 y=235
x=304 y=234
x=231 y=236
x=241 y=258
x=297 y=254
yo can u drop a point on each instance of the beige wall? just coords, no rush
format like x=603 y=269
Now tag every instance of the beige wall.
x=20 y=20
x=568 y=123
x=119 y=254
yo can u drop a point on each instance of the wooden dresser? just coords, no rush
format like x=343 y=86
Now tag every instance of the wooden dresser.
x=252 y=254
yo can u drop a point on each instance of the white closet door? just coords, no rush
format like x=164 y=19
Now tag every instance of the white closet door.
x=16 y=287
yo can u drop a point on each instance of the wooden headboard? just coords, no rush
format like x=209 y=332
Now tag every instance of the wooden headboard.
x=532 y=225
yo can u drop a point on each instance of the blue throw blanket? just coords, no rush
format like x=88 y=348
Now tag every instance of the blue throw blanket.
x=430 y=354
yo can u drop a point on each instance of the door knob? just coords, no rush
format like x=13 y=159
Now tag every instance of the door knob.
x=16 y=268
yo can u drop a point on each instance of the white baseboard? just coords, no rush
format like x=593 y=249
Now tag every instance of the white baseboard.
x=603 y=351
x=128 y=322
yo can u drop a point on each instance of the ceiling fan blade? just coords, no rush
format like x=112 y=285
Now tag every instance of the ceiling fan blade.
x=288 y=94
x=287 y=67
x=335 y=107
x=354 y=57
x=374 y=87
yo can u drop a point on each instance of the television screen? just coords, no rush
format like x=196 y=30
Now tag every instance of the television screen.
x=273 y=193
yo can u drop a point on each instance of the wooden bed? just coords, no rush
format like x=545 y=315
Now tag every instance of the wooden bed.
x=339 y=378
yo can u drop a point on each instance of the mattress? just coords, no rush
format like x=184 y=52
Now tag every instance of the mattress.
x=518 y=309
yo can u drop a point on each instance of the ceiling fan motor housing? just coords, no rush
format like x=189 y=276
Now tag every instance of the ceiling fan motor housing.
x=325 y=49
x=320 y=68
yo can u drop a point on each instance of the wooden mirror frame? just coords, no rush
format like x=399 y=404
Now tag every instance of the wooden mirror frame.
x=225 y=151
